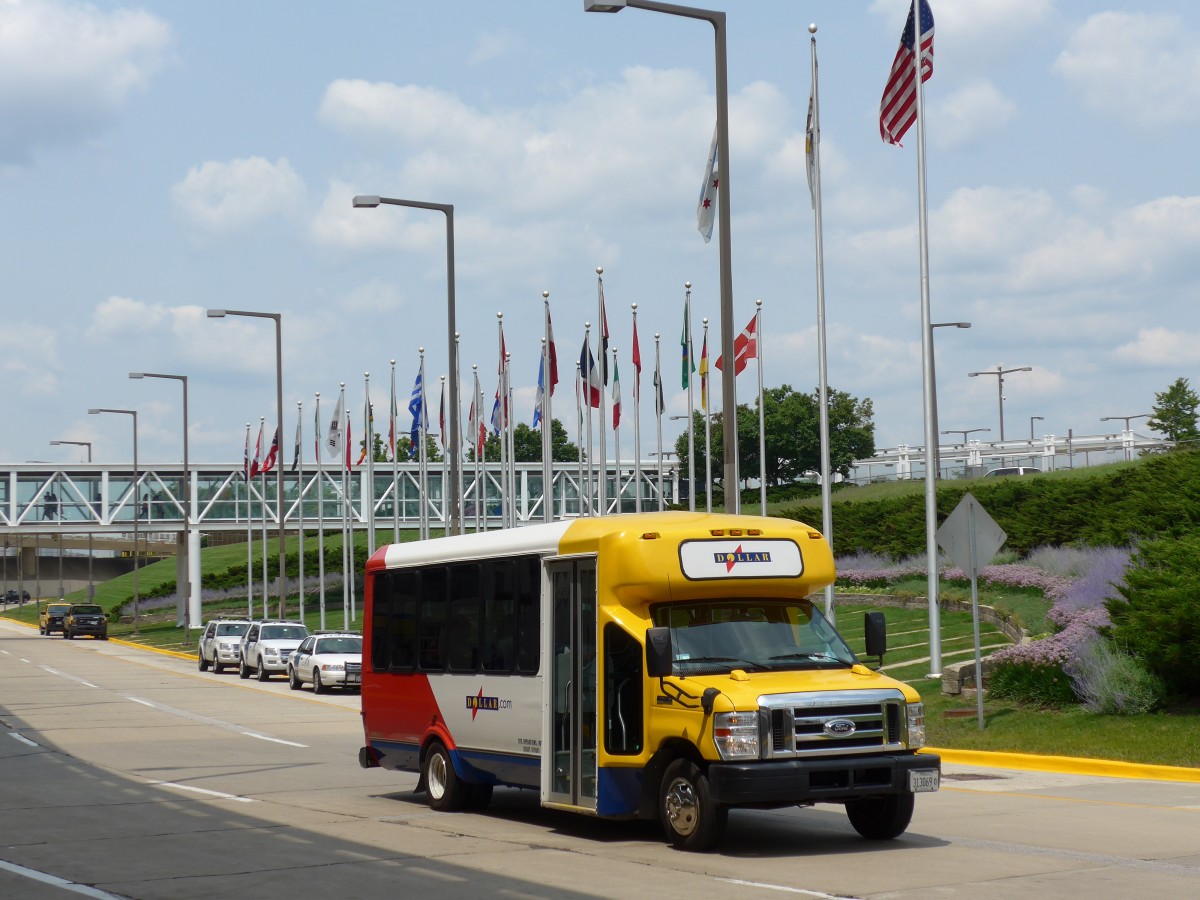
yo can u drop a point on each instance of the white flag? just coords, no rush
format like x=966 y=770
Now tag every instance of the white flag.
x=333 y=445
x=706 y=209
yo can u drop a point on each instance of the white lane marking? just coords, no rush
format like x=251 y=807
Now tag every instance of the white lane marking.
x=205 y=720
x=23 y=739
x=199 y=790
x=54 y=880
x=273 y=740
x=74 y=678
x=780 y=887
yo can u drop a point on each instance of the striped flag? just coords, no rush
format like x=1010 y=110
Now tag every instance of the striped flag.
x=704 y=371
x=745 y=348
x=898 y=108
x=706 y=207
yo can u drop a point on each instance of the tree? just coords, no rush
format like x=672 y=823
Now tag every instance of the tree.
x=404 y=448
x=527 y=445
x=1175 y=412
x=792 y=436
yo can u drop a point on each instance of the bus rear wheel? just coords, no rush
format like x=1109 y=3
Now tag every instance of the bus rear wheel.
x=446 y=792
x=881 y=818
x=690 y=817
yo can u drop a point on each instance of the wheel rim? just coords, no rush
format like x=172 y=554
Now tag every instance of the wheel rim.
x=682 y=807
x=436 y=776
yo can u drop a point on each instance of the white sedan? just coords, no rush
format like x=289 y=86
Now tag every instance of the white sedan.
x=325 y=660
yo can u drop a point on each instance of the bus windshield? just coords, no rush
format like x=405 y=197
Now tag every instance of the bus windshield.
x=760 y=635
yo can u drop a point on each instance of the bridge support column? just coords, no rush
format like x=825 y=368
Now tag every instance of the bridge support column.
x=193 y=561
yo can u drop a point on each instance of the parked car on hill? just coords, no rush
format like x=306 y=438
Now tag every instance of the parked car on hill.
x=221 y=643
x=266 y=646
x=325 y=660
x=1012 y=470
x=85 y=618
x=51 y=617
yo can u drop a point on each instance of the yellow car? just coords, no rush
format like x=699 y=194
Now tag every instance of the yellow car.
x=51 y=617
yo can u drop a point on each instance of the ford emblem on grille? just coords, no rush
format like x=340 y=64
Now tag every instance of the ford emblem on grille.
x=839 y=727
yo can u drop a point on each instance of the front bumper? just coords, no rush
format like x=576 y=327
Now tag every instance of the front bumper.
x=815 y=780
x=226 y=656
x=95 y=629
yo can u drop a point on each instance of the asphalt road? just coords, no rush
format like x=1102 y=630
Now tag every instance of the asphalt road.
x=126 y=773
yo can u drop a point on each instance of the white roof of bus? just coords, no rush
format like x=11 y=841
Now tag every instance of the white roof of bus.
x=542 y=538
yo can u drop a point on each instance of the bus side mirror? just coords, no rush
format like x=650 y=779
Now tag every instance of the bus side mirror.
x=875 y=629
x=659 y=653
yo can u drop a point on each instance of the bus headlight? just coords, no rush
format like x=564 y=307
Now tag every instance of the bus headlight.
x=736 y=735
x=916 y=725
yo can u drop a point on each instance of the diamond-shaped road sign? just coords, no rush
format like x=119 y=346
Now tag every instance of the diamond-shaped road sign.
x=955 y=535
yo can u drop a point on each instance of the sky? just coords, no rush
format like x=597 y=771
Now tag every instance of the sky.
x=163 y=158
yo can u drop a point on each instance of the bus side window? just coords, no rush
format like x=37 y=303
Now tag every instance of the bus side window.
x=432 y=618
x=499 y=626
x=622 y=691
x=381 y=620
x=528 y=590
x=462 y=651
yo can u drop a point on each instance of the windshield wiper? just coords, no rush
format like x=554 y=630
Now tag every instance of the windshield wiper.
x=816 y=655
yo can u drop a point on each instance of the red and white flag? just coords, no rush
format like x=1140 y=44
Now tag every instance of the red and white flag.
x=272 y=454
x=553 y=351
x=745 y=348
x=257 y=452
x=637 y=365
x=706 y=208
x=898 y=108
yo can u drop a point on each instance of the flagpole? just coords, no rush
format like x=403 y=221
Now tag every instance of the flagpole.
x=345 y=505
x=263 y=488
x=547 y=420
x=320 y=509
x=249 y=533
x=931 y=437
x=369 y=448
x=707 y=432
x=579 y=436
x=445 y=460
x=299 y=461
x=687 y=379
x=456 y=446
x=509 y=430
x=499 y=429
x=616 y=433
x=473 y=422
x=602 y=357
x=587 y=397
x=422 y=463
x=395 y=460
x=637 y=416
x=762 y=413
x=658 y=415
x=814 y=143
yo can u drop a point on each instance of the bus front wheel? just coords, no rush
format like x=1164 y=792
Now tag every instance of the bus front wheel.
x=446 y=792
x=881 y=818
x=690 y=817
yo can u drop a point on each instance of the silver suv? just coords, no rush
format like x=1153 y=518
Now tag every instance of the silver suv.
x=220 y=645
x=266 y=646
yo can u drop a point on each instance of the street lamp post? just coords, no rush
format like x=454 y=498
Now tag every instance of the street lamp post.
x=136 y=503
x=278 y=319
x=91 y=583
x=1126 y=436
x=1033 y=419
x=370 y=201
x=728 y=389
x=933 y=381
x=185 y=618
x=1000 y=372
x=965 y=431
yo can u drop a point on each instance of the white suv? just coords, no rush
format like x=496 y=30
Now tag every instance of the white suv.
x=220 y=644
x=266 y=646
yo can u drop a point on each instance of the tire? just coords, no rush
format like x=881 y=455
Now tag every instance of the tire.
x=41 y=630
x=446 y=792
x=201 y=662
x=690 y=818
x=881 y=818
x=293 y=679
x=69 y=635
x=318 y=687
x=243 y=669
x=262 y=673
x=217 y=667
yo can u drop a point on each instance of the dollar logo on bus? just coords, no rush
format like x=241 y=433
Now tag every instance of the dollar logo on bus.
x=476 y=702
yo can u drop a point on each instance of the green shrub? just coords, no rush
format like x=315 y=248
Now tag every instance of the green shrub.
x=1035 y=684
x=1112 y=682
x=1157 y=616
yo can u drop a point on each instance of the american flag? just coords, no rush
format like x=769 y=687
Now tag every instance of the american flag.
x=898 y=108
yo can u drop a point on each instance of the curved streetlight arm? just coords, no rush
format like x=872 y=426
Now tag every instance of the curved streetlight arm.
x=87 y=444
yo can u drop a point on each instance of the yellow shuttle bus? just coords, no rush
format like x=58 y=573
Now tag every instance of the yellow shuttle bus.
x=660 y=665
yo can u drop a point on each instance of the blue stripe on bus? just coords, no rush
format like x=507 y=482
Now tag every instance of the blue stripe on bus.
x=618 y=791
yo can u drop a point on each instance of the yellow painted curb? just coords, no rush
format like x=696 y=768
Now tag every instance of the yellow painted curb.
x=176 y=653
x=1070 y=765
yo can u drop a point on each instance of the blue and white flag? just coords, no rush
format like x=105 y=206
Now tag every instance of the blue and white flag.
x=541 y=392
x=416 y=406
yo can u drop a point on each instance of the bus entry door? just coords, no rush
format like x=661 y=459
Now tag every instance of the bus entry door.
x=571 y=737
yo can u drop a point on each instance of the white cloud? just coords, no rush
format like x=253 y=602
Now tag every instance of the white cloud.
x=222 y=197
x=373 y=297
x=67 y=70
x=973 y=36
x=970 y=115
x=1137 y=67
x=493 y=45
x=122 y=316
x=1161 y=347
x=29 y=357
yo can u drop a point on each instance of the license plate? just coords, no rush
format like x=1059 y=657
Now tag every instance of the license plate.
x=356 y=678
x=923 y=780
